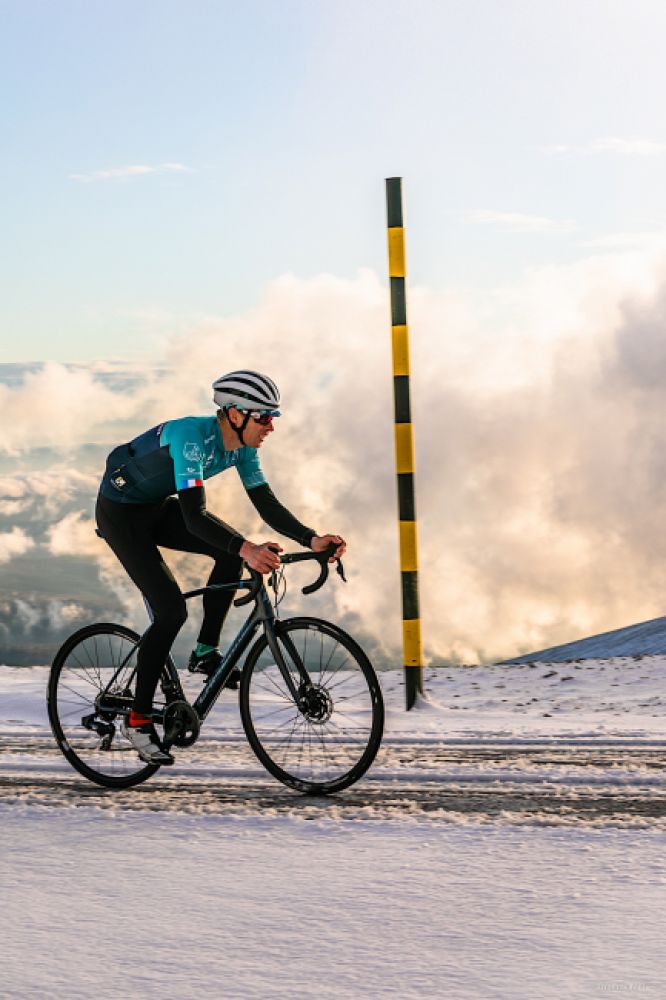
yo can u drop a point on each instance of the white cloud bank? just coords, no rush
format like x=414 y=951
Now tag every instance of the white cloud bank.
x=540 y=437
x=14 y=543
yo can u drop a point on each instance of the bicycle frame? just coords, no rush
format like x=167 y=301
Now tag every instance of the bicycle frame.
x=262 y=615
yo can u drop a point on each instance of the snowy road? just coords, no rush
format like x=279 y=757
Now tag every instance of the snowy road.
x=508 y=844
x=615 y=782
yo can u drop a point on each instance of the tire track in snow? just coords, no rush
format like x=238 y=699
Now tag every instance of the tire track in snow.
x=556 y=782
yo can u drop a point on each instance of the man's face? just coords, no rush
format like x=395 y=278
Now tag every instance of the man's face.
x=255 y=433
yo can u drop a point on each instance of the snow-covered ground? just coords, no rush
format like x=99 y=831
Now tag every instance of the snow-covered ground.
x=624 y=697
x=509 y=842
x=161 y=905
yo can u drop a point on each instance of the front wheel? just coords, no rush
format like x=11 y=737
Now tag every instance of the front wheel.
x=329 y=737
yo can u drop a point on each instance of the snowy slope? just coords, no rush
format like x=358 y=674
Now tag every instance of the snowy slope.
x=643 y=639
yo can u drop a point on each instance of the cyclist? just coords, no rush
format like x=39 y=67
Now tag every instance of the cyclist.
x=152 y=494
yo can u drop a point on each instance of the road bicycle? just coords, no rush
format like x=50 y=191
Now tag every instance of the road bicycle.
x=310 y=701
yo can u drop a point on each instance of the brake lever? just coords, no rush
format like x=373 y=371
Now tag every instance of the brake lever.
x=340 y=570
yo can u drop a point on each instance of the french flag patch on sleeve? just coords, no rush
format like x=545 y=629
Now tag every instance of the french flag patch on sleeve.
x=186 y=484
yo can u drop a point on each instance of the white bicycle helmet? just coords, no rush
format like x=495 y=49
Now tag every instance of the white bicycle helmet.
x=247 y=390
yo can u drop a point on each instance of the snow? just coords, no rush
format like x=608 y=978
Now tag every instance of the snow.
x=623 y=697
x=153 y=905
x=509 y=842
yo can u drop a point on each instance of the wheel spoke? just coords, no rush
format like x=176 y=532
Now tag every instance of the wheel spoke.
x=275 y=686
x=84 y=668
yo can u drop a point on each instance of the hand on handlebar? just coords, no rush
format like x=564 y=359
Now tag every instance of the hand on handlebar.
x=261 y=558
x=321 y=542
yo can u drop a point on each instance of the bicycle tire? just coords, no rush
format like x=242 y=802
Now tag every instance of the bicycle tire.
x=84 y=666
x=323 y=735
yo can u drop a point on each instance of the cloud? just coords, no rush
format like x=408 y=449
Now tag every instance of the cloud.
x=43 y=494
x=60 y=407
x=610 y=144
x=515 y=222
x=14 y=543
x=74 y=535
x=63 y=614
x=54 y=615
x=540 y=438
x=137 y=170
x=512 y=423
x=9 y=508
x=26 y=614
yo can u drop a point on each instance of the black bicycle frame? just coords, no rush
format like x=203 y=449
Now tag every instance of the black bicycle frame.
x=262 y=615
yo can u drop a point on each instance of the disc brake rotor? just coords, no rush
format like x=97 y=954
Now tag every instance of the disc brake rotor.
x=316 y=705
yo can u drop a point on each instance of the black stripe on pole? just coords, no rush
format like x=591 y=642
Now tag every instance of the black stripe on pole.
x=410 y=595
x=401 y=399
x=398 y=302
x=413 y=685
x=394 y=202
x=406 y=505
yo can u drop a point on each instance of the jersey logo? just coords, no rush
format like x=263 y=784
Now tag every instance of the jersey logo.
x=192 y=451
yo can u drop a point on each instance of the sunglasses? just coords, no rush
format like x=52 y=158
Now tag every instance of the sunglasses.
x=263 y=417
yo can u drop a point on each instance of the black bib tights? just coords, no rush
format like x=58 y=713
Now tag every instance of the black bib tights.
x=134 y=532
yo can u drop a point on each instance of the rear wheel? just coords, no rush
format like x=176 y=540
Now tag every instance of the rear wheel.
x=86 y=717
x=329 y=737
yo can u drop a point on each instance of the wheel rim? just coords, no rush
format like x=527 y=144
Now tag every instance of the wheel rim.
x=322 y=739
x=93 y=736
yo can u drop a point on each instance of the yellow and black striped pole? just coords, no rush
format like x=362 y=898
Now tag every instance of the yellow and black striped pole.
x=404 y=445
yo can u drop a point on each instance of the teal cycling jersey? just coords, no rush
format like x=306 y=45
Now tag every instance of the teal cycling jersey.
x=174 y=456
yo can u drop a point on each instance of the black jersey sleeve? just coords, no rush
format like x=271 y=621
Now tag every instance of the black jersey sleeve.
x=278 y=517
x=205 y=525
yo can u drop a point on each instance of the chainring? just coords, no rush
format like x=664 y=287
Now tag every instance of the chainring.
x=181 y=724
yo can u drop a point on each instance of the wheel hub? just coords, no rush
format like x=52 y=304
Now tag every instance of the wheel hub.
x=109 y=703
x=316 y=704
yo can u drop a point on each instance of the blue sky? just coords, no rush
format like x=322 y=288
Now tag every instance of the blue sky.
x=523 y=131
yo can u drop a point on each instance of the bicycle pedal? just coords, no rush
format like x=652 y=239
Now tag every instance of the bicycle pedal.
x=233 y=680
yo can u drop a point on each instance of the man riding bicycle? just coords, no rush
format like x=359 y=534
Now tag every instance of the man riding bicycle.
x=152 y=494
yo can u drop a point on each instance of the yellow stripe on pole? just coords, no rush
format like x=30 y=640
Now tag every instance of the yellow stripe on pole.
x=411 y=642
x=400 y=350
x=408 y=553
x=404 y=448
x=396 y=251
